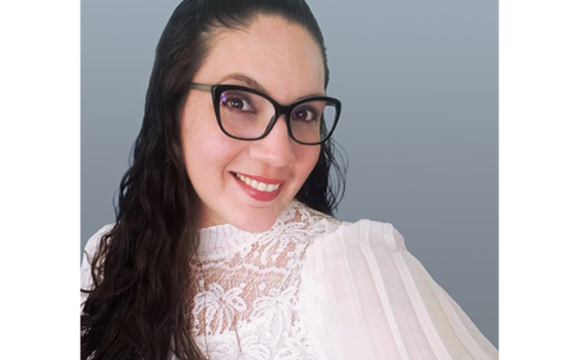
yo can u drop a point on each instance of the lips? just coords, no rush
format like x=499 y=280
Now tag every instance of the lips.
x=259 y=188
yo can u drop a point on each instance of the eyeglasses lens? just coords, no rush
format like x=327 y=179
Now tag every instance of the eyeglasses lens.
x=246 y=115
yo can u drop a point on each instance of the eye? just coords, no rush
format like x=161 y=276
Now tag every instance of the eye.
x=236 y=101
x=305 y=113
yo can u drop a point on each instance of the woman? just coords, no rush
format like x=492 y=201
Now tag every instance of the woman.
x=224 y=245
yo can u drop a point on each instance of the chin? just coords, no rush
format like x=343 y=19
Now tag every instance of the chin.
x=256 y=223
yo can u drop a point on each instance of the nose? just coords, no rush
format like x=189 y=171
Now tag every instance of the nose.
x=276 y=149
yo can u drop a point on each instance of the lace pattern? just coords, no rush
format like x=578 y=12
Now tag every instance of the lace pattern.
x=246 y=285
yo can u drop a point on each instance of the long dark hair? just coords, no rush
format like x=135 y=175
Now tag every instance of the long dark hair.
x=140 y=306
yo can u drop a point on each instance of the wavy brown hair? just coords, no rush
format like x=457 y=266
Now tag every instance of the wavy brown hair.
x=140 y=304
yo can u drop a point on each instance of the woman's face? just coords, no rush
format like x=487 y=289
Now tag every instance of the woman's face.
x=282 y=60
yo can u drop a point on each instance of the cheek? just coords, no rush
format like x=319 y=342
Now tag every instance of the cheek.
x=206 y=153
x=307 y=157
x=201 y=148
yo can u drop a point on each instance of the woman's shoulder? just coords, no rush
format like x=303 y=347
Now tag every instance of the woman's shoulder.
x=89 y=252
x=361 y=233
x=94 y=241
x=368 y=233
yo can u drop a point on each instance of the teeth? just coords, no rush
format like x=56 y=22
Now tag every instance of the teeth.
x=260 y=186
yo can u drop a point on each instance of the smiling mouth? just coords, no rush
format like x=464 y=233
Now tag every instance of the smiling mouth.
x=257 y=185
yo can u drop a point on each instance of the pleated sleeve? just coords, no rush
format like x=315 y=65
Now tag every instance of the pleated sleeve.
x=364 y=296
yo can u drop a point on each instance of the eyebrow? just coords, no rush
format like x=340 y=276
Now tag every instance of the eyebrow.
x=245 y=79
x=252 y=83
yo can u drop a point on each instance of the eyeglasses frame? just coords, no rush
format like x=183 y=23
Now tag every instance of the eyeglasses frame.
x=217 y=90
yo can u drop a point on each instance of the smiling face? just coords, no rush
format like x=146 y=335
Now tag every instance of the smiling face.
x=282 y=60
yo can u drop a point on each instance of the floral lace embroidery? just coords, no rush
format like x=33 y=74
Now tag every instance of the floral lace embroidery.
x=246 y=304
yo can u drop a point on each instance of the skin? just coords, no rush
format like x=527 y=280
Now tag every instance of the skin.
x=286 y=63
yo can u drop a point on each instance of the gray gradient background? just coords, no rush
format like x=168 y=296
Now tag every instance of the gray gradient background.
x=419 y=85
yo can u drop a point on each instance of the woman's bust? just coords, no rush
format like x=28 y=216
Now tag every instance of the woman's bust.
x=224 y=245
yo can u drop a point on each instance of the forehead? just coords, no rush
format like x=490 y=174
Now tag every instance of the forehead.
x=279 y=55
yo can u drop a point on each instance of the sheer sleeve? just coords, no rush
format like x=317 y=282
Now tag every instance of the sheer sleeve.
x=90 y=249
x=364 y=296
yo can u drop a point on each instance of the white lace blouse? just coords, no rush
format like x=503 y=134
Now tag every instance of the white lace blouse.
x=313 y=287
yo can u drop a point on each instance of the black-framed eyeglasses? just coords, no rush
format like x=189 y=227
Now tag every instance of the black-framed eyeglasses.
x=247 y=114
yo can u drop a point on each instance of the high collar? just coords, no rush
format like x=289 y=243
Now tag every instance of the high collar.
x=222 y=240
